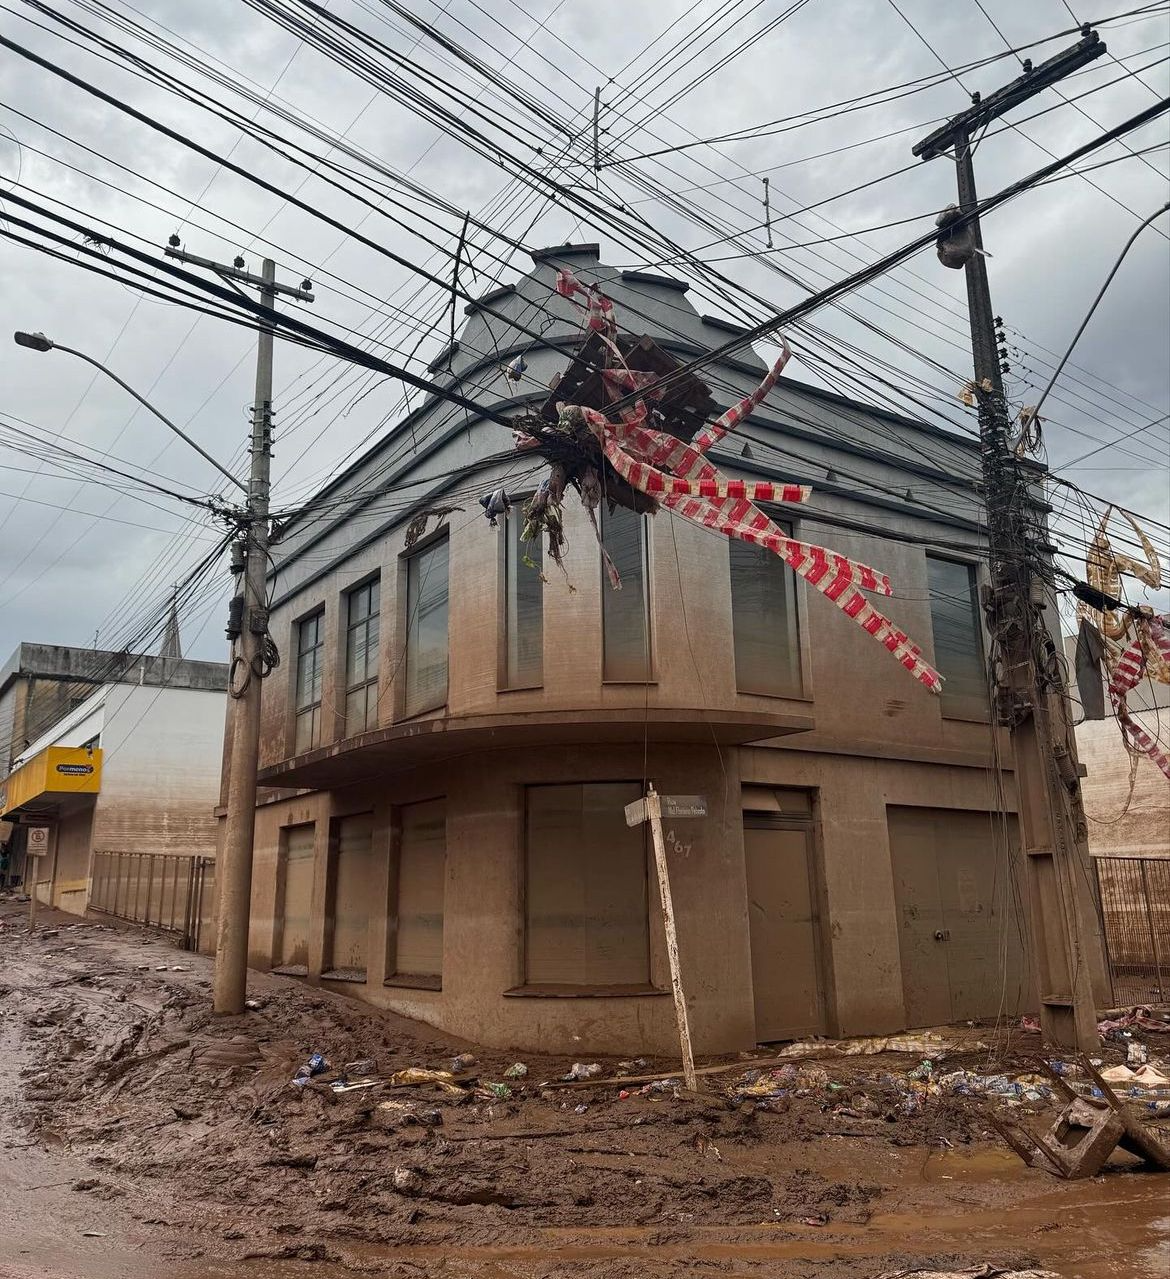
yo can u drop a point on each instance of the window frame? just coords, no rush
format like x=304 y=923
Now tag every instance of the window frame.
x=515 y=520
x=403 y=710
x=965 y=708
x=312 y=709
x=799 y=691
x=350 y=627
x=650 y=676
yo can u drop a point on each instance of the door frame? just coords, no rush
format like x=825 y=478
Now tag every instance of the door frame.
x=809 y=824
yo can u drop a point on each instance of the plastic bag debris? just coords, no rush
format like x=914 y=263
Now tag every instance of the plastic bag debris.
x=517 y=1071
x=316 y=1065
x=658 y=1086
x=463 y=1062
x=496 y=1092
x=414 y=1075
x=583 y=1070
x=363 y=1066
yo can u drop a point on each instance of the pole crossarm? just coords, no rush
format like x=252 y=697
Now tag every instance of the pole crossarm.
x=1034 y=80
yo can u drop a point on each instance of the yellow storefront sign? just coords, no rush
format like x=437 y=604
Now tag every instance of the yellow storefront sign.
x=57 y=770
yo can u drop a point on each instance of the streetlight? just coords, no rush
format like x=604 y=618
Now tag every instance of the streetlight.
x=38 y=342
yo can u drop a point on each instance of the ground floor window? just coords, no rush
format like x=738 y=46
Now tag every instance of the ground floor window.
x=586 y=915
x=416 y=939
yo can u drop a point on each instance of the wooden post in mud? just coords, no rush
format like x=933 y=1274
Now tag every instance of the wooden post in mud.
x=654 y=815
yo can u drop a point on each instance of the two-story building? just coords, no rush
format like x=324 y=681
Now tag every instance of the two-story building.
x=458 y=724
x=113 y=757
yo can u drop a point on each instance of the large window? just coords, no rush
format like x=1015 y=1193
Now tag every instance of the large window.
x=361 y=658
x=523 y=608
x=586 y=895
x=417 y=946
x=763 y=620
x=625 y=614
x=958 y=639
x=426 y=629
x=310 y=664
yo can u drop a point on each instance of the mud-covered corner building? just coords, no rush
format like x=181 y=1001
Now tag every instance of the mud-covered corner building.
x=458 y=724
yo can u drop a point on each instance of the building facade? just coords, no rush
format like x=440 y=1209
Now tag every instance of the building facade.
x=110 y=753
x=458 y=723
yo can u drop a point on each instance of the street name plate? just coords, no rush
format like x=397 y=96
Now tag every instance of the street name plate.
x=636 y=812
x=672 y=806
x=676 y=806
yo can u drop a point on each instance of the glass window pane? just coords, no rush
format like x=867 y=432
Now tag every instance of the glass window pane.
x=426 y=629
x=625 y=613
x=958 y=640
x=764 y=626
x=524 y=612
x=586 y=901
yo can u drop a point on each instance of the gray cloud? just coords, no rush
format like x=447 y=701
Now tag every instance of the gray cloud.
x=1052 y=248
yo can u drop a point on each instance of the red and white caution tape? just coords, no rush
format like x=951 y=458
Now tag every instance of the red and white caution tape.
x=1129 y=671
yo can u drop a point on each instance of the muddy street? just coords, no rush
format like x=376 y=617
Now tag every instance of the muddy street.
x=143 y=1137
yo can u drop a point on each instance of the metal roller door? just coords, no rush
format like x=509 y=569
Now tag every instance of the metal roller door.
x=352 y=894
x=422 y=870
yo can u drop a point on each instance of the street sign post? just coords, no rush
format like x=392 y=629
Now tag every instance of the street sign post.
x=36 y=846
x=650 y=809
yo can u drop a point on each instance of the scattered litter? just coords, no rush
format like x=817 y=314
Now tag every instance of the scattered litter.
x=353 y=1085
x=415 y=1075
x=363 y=1066
x=779 y=1082
x=402 y=1114
x=1136 y=1053
x=316 y=1065
x=632 y=1067
x=463 y=1062
x=1023 y=1089
x=581 y=1109
x=254 y=1005
x=494 y=1092
x=582 y=1070
x=986 y=1271
x=517 y=1071
x=1142 y=1016
x=407 y=1181
x=93 y=1234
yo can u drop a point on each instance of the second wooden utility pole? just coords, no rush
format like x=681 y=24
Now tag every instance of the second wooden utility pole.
x=1031 y=698
x=248 y=630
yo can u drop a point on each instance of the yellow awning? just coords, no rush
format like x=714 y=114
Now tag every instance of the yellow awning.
x=57 y=770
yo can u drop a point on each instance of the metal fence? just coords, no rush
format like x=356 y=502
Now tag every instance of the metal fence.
x=1135 y=908
x=161 y=890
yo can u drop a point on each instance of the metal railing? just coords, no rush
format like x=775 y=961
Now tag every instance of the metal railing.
x=1135 y=910
x=161 y=890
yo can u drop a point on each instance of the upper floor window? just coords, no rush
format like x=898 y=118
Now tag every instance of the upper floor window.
x=625 y=614
x=764 y=622
x=958 y=637
x=310 y=664
x=361 y=658
x=523 y=607
x=426 y=628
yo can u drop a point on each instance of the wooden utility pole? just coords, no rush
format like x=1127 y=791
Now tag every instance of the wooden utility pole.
x=650 y=810
x=1031 y=698
x=248 y=630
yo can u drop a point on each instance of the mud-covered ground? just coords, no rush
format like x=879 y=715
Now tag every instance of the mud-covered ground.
x=144 y=1137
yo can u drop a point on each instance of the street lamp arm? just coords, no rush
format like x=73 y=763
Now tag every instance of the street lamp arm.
x=81 y=355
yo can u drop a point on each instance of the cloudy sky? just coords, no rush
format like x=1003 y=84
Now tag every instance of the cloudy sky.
x=80 y=559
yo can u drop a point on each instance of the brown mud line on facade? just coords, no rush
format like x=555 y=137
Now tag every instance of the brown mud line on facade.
x=202 y=1159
